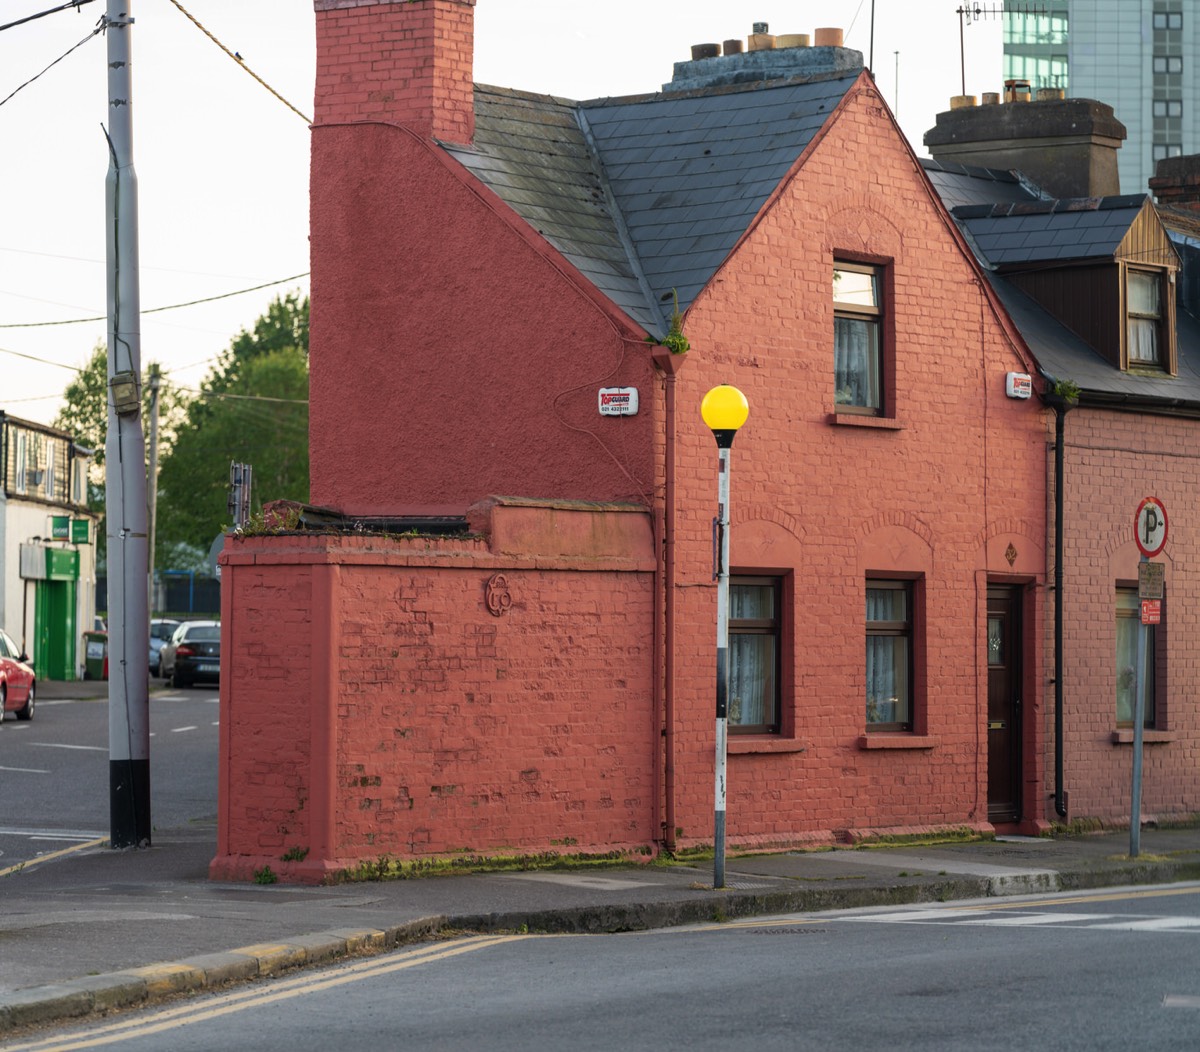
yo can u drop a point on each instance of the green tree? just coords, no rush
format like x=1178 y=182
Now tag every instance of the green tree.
x=284 y=326
x=253 y=409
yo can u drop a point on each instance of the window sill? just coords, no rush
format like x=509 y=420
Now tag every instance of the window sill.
x=879 y=423
x=896 y=741
x=751 y=743
x=1124 y=736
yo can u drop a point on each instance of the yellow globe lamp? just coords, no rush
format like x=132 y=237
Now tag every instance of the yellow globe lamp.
x=724 y=410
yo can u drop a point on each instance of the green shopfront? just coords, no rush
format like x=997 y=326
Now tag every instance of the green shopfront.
x=53 y=574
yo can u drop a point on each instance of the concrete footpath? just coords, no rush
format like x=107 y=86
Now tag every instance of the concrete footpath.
x=94 y=929
x=90 y=929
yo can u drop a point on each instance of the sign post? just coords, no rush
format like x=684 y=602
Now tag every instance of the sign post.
x=1150 y=535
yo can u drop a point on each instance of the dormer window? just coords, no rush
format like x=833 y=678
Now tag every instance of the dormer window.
x=1148 y=336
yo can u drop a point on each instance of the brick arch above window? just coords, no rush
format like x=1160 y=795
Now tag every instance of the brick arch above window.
x=862 y=227
x=894 y=549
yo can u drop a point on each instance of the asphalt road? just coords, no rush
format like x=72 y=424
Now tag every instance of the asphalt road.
x=54 y=771
x=1099 y=971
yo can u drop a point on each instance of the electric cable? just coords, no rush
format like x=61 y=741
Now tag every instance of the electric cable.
x=95 y=32
x=240 y=61
x=153 y=310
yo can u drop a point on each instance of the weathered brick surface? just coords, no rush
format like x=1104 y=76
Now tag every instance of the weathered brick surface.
x=401 y=62
x=454 y=729
x=1111 y=461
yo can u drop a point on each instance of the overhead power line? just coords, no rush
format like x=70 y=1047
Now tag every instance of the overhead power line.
x=99 y=28
x=153 y=310
x=240 y=61
x=76 y=4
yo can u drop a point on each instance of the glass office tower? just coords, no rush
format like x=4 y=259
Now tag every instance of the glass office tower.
x=1139 y=56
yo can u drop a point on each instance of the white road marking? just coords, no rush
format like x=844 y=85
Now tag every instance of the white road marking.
x=180 y=730
x=58 y=745
x=24 y=770
x=1017 y=919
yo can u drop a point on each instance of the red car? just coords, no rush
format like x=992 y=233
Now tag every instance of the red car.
x=17 y=680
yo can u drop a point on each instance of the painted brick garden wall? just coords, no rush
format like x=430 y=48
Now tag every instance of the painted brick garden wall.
x=1111 y=461
x=939 y=493
x=412 y=698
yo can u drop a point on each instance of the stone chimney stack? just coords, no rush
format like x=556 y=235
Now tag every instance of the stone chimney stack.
x=1066 y=146
x=1176 y=182
x=405 y=62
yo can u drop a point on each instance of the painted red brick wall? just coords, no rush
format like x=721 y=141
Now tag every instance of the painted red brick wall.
x=401 y=61
x=456 y=355
x=942 y=495
x=392 y=697
x=1111 y=461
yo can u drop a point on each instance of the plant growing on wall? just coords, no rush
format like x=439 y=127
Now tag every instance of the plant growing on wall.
x=674 y=341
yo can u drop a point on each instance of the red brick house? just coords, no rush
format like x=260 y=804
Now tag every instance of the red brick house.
x=1096 y=284
x=494 y=632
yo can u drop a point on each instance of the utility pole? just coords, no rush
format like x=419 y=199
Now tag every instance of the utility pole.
x=125 y=450
x=152 y=480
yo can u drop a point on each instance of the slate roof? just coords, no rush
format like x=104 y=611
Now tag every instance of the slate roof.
x=965 y=184
x=1064 y=355
x=646 y=194
x=1049 y=230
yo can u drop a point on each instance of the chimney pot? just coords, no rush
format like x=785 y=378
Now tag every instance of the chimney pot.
x=991 y=98
x=962 y=102
x=827 y=37
x=733 y=47
x=762 y=42
x=792 y=40
x=1050 y=94
x=761 y=27
x=1016 y=91
x=705 y=51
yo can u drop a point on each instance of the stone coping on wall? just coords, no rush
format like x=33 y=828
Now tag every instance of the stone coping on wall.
x=319 y=550
x=515 y=533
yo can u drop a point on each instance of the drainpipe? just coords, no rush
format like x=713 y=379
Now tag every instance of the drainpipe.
x=669 y=364
x=1061 y=407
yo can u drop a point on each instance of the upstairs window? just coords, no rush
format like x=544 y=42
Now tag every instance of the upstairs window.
x=19 y=465
x=1145 y=310
x=857 y=325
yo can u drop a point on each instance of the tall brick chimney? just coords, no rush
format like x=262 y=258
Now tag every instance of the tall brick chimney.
x=398 y=61
x=1176 y=182
x=1067 y=146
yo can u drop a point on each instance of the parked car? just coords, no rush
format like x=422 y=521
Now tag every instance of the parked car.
x=161 y=630
x=17 y=680
x=192 y=654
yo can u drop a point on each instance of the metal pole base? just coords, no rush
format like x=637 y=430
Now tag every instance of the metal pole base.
x=129 y=803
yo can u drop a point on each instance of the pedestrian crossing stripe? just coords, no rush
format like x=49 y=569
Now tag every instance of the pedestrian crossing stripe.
x=1009 y=918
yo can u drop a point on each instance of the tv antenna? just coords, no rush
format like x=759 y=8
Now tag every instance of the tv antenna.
x=976 y=12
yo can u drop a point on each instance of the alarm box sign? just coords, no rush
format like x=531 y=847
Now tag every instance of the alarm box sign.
x=618 y=401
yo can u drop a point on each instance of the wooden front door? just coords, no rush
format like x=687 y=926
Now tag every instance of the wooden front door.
x=1004 y=703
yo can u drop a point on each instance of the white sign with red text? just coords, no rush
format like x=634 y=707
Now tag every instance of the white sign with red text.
x=618 y=401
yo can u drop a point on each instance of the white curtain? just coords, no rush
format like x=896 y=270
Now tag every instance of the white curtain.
x=855 y=362
x=1143 y=331
x=751 y=658
x=887 y=659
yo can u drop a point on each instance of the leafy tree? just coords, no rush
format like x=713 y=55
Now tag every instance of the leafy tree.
x=254 y=409
x=285 y=325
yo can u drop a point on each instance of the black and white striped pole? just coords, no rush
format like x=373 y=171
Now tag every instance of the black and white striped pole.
x=724 y=410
